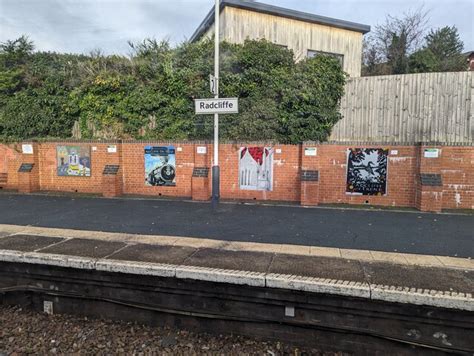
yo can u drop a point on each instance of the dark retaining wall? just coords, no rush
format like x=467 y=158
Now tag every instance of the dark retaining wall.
x=327 y=322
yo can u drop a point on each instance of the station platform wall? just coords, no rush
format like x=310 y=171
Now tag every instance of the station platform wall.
x=428 y=177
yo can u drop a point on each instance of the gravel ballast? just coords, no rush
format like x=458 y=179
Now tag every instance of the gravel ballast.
x=26 y=332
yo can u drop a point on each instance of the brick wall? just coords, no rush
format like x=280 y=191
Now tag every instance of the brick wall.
x=406 y=163
x=286 y=169
x=50 y=181
x=133 y=164
x=402 y=173
x=456 y=167
x=10 y=160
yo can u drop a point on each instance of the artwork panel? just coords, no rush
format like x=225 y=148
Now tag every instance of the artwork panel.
x=160 y=166
x=73 y=161
x=256 y=168
x=367 y=171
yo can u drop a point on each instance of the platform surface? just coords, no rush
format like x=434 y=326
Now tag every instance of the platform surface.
x=398 y=277
x=378 y=230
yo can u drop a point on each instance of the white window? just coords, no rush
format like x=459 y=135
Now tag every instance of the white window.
x=339 y=57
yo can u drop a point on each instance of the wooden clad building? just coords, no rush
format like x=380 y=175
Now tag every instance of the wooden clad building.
x=306 y=34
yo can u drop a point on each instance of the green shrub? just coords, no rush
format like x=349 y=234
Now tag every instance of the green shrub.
x=150 y=95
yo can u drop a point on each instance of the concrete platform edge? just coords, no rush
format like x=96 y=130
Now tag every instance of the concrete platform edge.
x=442 y=299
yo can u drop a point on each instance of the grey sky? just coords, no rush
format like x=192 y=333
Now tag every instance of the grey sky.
x=83 y=25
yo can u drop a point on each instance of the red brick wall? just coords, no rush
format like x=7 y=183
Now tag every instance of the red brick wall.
x=455 y=164
x=457 y=170
x=10 y=160
x=50 y=181
x=286 y=168
x=133 y=165
x=401 y=173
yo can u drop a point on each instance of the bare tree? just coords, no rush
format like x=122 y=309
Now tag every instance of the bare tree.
x=393 y=41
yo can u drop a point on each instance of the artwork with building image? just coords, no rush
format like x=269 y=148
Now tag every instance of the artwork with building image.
x=73 y=161
x=367 y=171
x=160 y=166
x=256 y=168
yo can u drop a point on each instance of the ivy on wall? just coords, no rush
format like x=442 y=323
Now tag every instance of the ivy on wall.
x=149 y=95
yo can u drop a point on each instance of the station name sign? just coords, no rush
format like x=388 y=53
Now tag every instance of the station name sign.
x=216 y=106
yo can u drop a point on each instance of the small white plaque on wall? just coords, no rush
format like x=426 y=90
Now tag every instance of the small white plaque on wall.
x=278 y=150
x=201 y=150
x=179 y=149
x=94 y=148
x=393 y=152
x=27 y=149
x=112 y=149
x=431 y=153
x=310 y=151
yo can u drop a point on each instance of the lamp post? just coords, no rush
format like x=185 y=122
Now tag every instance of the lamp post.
x=215 y=166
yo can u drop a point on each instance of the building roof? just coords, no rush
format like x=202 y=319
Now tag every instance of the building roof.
x=277 y=11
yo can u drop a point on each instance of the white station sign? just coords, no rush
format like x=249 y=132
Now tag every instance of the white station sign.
x=216 y=106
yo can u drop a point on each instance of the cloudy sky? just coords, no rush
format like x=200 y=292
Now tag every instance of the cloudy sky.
x=81 y=26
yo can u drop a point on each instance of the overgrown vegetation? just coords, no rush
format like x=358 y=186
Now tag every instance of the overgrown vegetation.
x=402 y=45
x=149 y=95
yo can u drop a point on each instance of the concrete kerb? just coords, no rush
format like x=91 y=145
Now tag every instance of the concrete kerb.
x=318 y=285
x=254 y=279
x=139 y=268
x=444 y=299
x=48 y=259
x=449 y=300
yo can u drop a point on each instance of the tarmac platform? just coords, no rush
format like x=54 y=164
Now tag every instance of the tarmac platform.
x=404 y=231
x=421 y=299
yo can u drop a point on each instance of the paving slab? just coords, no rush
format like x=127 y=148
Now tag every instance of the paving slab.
x=199 y=243
x=27 y=243
x=325 y=251
x=457 y=262
x=356 y=255
x=433 y=278
x=3 y=234
x=85 y=248
x=320 y=267
x=154 y=254
x=234 y=260
x=251 y=246
x=422 y=260
x=296 y=250
x=388 y=257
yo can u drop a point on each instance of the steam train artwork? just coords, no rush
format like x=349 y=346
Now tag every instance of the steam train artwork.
x=160 y=166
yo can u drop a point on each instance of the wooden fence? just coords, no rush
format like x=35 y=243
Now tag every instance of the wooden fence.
x=427 y=107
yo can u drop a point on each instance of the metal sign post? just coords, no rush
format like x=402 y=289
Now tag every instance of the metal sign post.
x=215 y=167
x=216 y=106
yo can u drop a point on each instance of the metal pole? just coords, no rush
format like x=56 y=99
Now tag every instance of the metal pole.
x=215 y=167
